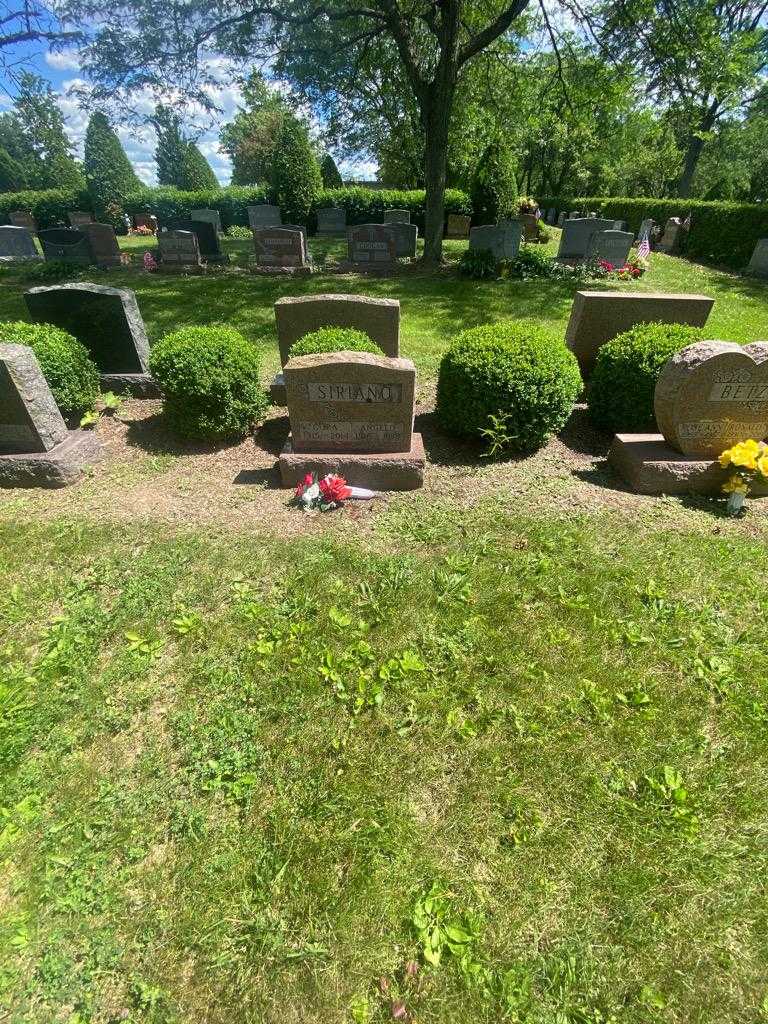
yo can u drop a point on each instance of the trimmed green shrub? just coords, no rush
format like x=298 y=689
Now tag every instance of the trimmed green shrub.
x=71 y=373
x=335 y=339
x=517 y=374
x=620 y=394
x=210 y=380
x=49 y=207
x=479 y=264
x=296 y=181
x=494 y=186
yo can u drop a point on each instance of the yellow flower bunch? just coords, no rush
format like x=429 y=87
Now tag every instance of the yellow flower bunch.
x=745 y=455
x=735 y=485
x=749 y=459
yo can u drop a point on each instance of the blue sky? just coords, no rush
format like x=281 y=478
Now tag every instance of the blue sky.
x=63 y=71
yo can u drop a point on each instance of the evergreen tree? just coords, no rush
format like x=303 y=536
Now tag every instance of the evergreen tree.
x=296 y=180
x=40 y=144
x=171 y=147
x=330 y=172
x=108 y=171
x=197 y=172
x=13 y=177
x=494 y=187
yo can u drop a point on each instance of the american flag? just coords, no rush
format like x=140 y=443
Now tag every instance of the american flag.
x=644 y=247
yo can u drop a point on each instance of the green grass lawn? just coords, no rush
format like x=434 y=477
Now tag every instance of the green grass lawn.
x=458 y=759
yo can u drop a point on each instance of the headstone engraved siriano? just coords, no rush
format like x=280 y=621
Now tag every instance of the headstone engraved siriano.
x=77 y=218
x=758 y=264
x=598 y=316
x=179 y=250
x=458 y=225
x=22 y=219
x=264 y=216
x=66 y=245
x=210 y=216
x=611 y=246
x=104 y=244
x=36 y=449
x=713 y=394
x=371 y=244
x=577 y=234
x=331 y=220
x=397 y=217
x=503 y=240
x=280 y=247
x=16 y=243
x=108 y=322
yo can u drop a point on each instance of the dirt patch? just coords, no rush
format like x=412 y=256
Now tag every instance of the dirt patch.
x=147 y=473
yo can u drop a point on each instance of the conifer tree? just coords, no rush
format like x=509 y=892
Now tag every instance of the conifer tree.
x=197 y=172
x=171 y=147
x=494 y=187
x=108 y=171
x=330 y=172
x=296 y=180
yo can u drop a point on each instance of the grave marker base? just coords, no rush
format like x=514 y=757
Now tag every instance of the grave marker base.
x=61 y=466
x=138 y=385
x=651 y=466
x=382 y=471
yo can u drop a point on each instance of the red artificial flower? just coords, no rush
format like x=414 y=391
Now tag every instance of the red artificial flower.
x=334 y=488
x=606 y=265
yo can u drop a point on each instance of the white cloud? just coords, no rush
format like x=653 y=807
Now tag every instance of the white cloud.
x=64 y=60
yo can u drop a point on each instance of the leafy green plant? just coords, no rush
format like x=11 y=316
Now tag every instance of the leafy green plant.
x=71 y=374
x=439 y=929
x=335 y=339
x=517 y=371
x=479 y=264
x=210 y=378
x=623 y=382
x=296 y=180
x=50 y=270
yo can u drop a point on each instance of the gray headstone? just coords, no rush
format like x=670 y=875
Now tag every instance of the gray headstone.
x=371 y=244
x=758 y=264
x=458 y=225
x=179 y=248
x=646 y=228
x=503 y=239
x=206 y=234
x=619 y=225
x=406 y=236
x=280 y=247
x=672 y=238
x=264 y=216
x=17 y=244
x=297 y=315
x=397 y=217
x=331 y=221
x=30 y=420
x=576 y=236
x=22 y=219
x=77 y=218
x=106 y=320
x=211 y=216
x=561 y=218
x=103 y=242
x=67 y=245
x=611 y=246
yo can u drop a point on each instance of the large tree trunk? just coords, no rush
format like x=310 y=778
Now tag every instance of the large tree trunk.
x=436 y=118
x=695 y=149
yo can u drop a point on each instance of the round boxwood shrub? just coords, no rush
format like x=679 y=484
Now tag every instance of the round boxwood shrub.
x=620 y=394
x=335 y=339
x=519 y=372
x=71 y=373
x=210 y=381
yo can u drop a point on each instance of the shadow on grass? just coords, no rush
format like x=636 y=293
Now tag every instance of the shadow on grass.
x=272 y=435
x=155 y=437
x=581 y=436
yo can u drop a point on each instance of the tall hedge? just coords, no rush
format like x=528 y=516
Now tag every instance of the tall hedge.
x=493 y=189
x=108 y=171
x=721 y=232
x=296 y=181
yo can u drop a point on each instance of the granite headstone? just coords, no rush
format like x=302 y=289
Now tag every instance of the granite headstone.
x=371 y=244
x=16 y=244
x=66 y=245
x=331 y=220
x=758 y=264
x=264 y=216
x=503 y=240
x=397 y=217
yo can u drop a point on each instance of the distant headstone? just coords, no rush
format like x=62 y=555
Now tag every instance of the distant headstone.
x=371 y=244
x=331 y=221
x=66 y=245
x=207 y=238
x=713 y=394
x=758 y=264
x=16 y=244
x=503 y=240
x=598 y=316
x=397 y=217
x=561 y=218
x=671 y=240
x=22 y=219
x=458 y=225
x=352 y=413
x=575 y=214
x=179 y=250
x=406 y=236
x=619 y=225
x=211 y=216
x=77 y=218
x=646 y=228
x=108 y=322
x=280 y=247
x=104 y=245
x=576 y=236
x=36 y=449
x=264 y=216
x=530 y=225
x=302 y=314
x=611 y=246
